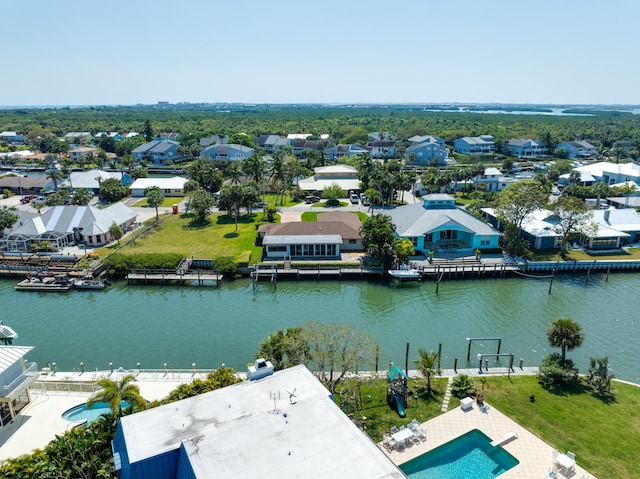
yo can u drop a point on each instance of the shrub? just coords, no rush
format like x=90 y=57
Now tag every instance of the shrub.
x=120 y=265
x=554 y=373
x=462 y=386
x=226 y=265
x=599 y=376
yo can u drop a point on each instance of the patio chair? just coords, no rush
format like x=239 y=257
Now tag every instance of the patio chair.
x=402 y=428
x=555 y=454
x=571 y=455
x=389 y=443
x=394 y=430
x=420 y=433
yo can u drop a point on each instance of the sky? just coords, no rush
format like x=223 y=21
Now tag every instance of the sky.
x=121 y=52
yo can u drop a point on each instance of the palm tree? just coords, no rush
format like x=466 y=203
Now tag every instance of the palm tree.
x=115 y=392
x=373 y=196
x=155 y=197
x=115 y=231
x=566 y=334
x=428 y=366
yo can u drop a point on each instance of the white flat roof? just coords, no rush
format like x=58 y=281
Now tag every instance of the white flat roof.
x=314 y=184
x=240 y=431
x=175 y=183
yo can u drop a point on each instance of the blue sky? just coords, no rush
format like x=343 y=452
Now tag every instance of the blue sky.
x=77 y=52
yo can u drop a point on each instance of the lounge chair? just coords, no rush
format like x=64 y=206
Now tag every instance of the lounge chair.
x=504 y=438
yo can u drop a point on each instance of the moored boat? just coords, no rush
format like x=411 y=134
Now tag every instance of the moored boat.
x=55 y=283
x=90 y=283
x=405 y=273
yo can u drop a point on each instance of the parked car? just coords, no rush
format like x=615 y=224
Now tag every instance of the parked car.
x=28 y=199
x=38 y=199
x=311 y=199
x=354 y=199
x=555 y=192
x=366 y=201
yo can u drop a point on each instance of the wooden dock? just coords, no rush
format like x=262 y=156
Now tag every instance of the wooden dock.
x=170 y=276
x=271 y=272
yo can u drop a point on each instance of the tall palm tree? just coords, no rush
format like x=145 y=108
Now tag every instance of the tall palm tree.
x=428 y=366
x=115 y=392
x=566 y=334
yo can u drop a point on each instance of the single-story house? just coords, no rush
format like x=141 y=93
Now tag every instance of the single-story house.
x=344 y=176
x=586 y=179
x=230 y=152
x=16 y=375
x=159 y=152
x=438 y=225
x=114 y=134
x=169 y=186
x=577 y=149
x=494 y=179
x=25 y=185
x=92 y=179
x=525 y=148
x=280 y=425
x=66 y=225
x=474 y=145
x=325 y=238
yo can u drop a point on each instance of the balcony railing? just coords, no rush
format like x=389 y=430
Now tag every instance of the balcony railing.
x=28 y=376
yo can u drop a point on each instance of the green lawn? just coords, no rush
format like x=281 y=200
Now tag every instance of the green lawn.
x=168 y=202
x=216 y=237
x=324 y=205
x=580 y=255
x=602 y=432
x=285 y=200
x=313 y=215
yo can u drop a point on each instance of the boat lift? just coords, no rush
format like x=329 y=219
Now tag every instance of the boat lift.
x=482 y=357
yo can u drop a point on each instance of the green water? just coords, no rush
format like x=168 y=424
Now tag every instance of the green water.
x=208 y=326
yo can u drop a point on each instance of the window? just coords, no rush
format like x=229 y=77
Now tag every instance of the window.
x=414 y=241
x=428 y=238
x=352 y=241
x=278 y=249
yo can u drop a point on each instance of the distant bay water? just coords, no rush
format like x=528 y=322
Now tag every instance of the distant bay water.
x=208 y=326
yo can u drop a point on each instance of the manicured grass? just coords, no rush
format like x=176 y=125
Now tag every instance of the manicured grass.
x=216 y=237
x=380 y=417
x=313 y=215
x=325 y=205
x=285 y=200
x=580 y=255
x=168 y=202
x=603 y=433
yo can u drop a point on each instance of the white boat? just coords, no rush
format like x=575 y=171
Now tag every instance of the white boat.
x=405 y=273
x=90 y=283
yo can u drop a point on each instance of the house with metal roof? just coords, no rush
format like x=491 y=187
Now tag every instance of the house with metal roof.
x=345 y=176
x=338 y=151
x=525 y=148
x=169 y=186
x=494 y=179
x=382 y=148
x=325 y=238
x=285 y=425
x=426 y=153
x=474 y=145
x=16 y=375
x=438 y=225
x=417 y=139
x=271 y=143
x=612 y=173
x=229 y=152
x=577 y=149
x=12 y=137
x=158 y=152
x=91 y=179
x=62 y=226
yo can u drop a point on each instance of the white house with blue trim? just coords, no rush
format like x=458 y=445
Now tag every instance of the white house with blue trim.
x=438 y=225
x=577 y=149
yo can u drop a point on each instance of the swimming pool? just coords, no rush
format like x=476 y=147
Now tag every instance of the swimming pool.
x=82 y=413
x=469 y=456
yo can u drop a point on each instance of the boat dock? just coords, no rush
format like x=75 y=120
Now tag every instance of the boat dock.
x=171 y=276
x=271 y=272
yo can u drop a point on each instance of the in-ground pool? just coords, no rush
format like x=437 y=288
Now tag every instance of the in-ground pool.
x=81 y=412
x=470 y=456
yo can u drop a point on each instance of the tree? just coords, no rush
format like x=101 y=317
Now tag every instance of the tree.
x=519 y=200
x=147 y=130
x=115 y=392
x=373 y=196
x=403 y=250
x=201 y=203
x=573 y=217
x=600 y=189
x=7 y=218
x=599 y=375
x=232 y=199
x=241 y=139
x=115 y=231
x=333 y=193
x=462 y=386
x=155 y=198
x=81 y=196
x=112 y=190
x=566 y=334
x=428 y=366
x=337 y=349
x=284 y=348
x=378 y=237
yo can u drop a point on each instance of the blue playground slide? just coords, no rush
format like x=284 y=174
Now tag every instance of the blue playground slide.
x=399 y=404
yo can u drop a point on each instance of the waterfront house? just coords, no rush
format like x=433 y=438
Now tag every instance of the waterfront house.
x=325 y=238
x=474 y=145
x=270 y=143
x=417 y=139
x=62 y=226
x=525 y=148
x=16 y=375
x=382 y=149
x=283 y=425
x=77 y=153
x=437 y=224
x=494 y=179
x=25 y=185
x=577 y=149
x=158 y=152
x=612 y=173
x=92 y=179
x=169 y=186
x=12 y=137
x=338 y=151
x=229 y=152
x=345 y=176
x=426 y=153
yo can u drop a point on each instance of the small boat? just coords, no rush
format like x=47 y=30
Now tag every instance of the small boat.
x=55 y=283
x=90 y=283
x=405 y=273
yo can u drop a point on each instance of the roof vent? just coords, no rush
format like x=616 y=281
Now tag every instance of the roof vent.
x=260 y=369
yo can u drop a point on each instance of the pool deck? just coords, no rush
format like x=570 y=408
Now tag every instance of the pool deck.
x=534 y=454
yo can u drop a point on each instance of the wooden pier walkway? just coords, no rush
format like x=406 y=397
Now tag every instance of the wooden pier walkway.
x=159 y=276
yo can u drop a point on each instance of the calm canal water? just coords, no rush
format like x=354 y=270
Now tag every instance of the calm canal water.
x=208 y=326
